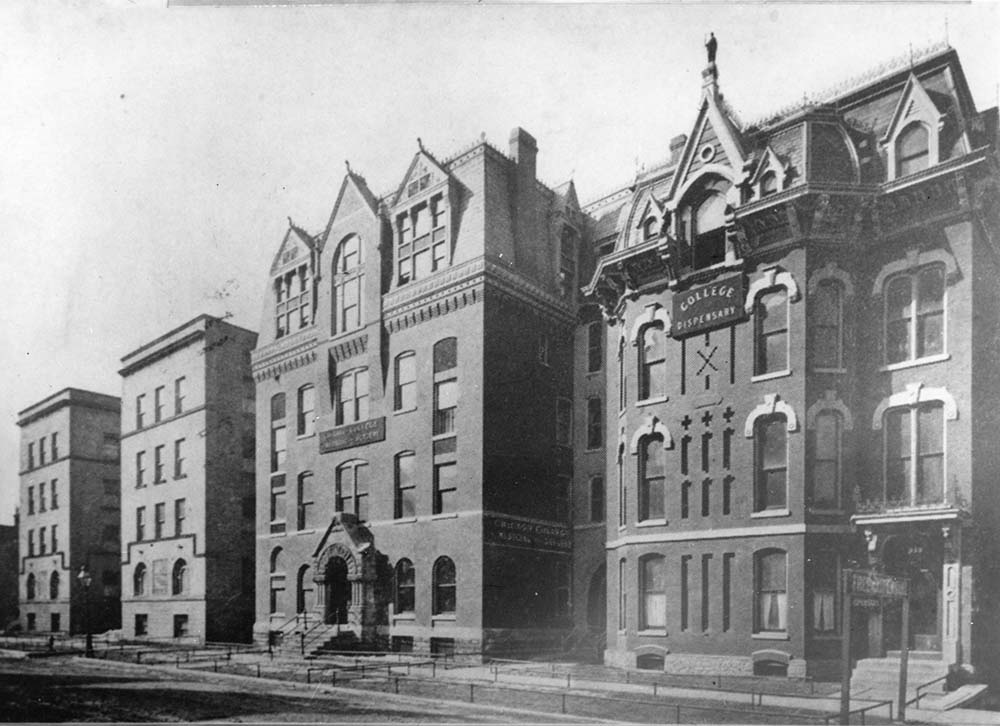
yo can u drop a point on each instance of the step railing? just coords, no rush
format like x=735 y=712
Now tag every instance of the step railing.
x=922 y=690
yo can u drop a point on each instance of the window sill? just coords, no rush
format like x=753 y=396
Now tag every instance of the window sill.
x=902 y=365
x=445 y=618
x=766 y=513
x=446 y=515
x=621 y=412
x=304 y=531
x=405 y=520
x=442 y=437
x=776 y=635
x=181 y=476
x=652 y=523
x=300 y=437
x=591 y=374
x=652 y=633
x=407 y=617
x=401 y=411
x=770 y=376
x=835 y=371
x=651 y=401
x=593 y=449
x=818 y=510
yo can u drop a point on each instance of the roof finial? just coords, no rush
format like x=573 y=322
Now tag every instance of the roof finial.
x=348 y=165
x=711 y=45
x=420 y=143
x=290 y=222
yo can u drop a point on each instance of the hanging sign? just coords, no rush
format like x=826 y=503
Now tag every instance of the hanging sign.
x=709 y=306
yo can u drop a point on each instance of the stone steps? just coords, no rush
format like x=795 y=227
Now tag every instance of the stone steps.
x=878 y=678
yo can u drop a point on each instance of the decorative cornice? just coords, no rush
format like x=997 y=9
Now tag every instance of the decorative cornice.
x=284 y=355
x=347 y=348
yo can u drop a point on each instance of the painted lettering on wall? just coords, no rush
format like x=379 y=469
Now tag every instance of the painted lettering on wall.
x=524 y=533
x=708 y=306
x=351 y=435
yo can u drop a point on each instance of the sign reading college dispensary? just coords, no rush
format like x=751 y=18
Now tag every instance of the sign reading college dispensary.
x=358 y=434
x=708 y=306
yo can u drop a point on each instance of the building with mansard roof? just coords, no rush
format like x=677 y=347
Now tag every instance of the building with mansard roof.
x=782 y=367
x=803 y=326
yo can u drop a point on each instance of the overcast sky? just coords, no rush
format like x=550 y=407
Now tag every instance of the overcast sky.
x=152 y=156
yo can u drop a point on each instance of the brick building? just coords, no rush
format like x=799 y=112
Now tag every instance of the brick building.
x=187 y=484
x=803 y=333
x=69 y=475
x=8 y=574
x=415 y=411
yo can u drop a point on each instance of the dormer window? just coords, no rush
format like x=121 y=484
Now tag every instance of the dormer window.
x=649 y=229
x=422 y=246
x=705 y=229
x=912 y=150
x=291 y=294
x=768 y=184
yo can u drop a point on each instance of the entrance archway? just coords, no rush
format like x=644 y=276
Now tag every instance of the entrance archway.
x=338 y=592
x=597 y=600
x=918 y=558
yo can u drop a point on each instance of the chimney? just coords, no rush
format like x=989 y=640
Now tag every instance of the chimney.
x=523 y=150
x=677 y=146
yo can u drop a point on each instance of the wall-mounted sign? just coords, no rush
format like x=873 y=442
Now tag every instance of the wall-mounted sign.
x=708 y=306
x=512 y=532
x=351 y=435
x=867 y=582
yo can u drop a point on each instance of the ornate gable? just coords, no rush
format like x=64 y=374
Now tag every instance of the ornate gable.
x=295 y=248
x=714 y=146
x=646 y=221
x=425 y=173
x=769 y=162
x=353 y=197
x=914 y=104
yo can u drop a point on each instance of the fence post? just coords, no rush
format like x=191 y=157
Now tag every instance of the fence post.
x=567 y=680
x=309 y=672
x=564 y=703
x=215 y=664
x=654 y=689
x=472 y=688
x=677 y=713
x=258 y=670
x=434 y=668
x=397 y=684
x=334 y=681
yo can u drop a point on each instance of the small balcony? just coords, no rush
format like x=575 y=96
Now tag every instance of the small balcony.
x=911 y=507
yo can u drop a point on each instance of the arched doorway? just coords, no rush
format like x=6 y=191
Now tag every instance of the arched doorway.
x=597 y=600
x=918 y=558
x=338 y=592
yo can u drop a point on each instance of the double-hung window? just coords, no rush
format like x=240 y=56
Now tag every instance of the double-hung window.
x=279 y=442
x=652 y=478
x=348 y=285
x=352 y=489
x=827 y=446
x=914 y=315
x=351 y=396
x=771 y=591
x=652 y=585
x=770 y=463
x=445 y=386
x=827 y=326
x=652 y=362
x=306 y=419
x=405 y=500
x=914 y=454
x=595 y=423
x=771 y=331
x=405 y=393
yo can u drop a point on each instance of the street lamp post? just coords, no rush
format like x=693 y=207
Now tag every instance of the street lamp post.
x=85 y=579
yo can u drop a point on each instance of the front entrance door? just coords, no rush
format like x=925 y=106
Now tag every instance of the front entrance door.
x=338 y=592
x=918 y=558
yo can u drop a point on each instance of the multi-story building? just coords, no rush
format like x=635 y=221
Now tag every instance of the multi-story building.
x=8 y=574
x=803 y=333
x=68 y=513
x=187 y=484
x=414 y=429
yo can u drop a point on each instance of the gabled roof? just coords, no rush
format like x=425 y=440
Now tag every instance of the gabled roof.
x=293 y=244
x=423 y=162
x=915 y=101
x=566 y=199
x=354 y=192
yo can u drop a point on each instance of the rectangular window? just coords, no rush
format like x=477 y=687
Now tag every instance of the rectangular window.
x=595 y=424
x=31 y=455
x=771 y=588
x=180 y=512
x=306 y=423
x=31 y=543
x=41 y=452
x=405 y=395
x=914 y=315
x=445 y=406
x=595 y=347
x=158 y=465
x=55 y=538
x=727 y=593
x=564 y=422
x=825 y=572
x=279 y=447
x=597 y=499
x=54 y=494
x=140 y=469
x=352 y=397
x=180 y=626
x=652 y=363
x=55 y=446
x=140 y=524
x=352 y=489
x=41 y=497
x=304 y=495
x=652 y=479
x=31 y=500
x=685 y=589
x=406 y=499
x=653 y=585
x=622 y=493
x=445 y=494
x=55 y=624
x=138 y=410
x=141 y=624
x=160 y=519
x=771 y=463
x=41 y=540
x=179 y=386
x=706 y=563
x=826 y=460
x=179 y=459
x=31 y=622
x=158 y=404
x=827 y=340
x=622 y=597
x=914 y=455
x=771 y=331
x=277 y=504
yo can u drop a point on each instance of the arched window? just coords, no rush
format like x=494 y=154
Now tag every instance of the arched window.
x=622 y=398
x=304 y=590
x=405 y=393
x=306 y=418
x=771 y=331
x=652 y=362
x=276 y=600
x=139 y=580
x=652 y=478
x=54 y=586
x=827 y=447
x=914 y=314
x=443 y=586
x=703 y=224
x=653 y=589
x=827 y=325
x=914 y=454
x=912 y=150
x=770 y=591
x=277 y=561
x=622 y=489
x=352 y=489
x=770 y=463
x=768 y=184
x=30 y=586
x=405 y=577
x=179 y=579
x=348 y=285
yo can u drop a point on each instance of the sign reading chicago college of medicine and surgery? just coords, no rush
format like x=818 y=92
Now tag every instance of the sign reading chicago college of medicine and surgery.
x=708 y=306
x=511 y=532
x=351 y=435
